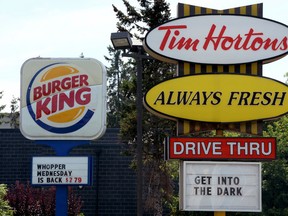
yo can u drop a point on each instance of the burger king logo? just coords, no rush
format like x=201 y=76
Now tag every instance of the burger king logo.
x=61 y=97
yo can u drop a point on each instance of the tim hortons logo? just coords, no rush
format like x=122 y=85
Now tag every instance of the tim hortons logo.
x=218 y=39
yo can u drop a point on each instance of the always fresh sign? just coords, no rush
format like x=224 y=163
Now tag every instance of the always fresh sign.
x=218 y=98
x=218 y=39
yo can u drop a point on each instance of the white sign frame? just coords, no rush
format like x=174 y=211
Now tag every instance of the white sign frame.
x=197 y=28
x=244 y=177
x=61 y=170
x=81 y=78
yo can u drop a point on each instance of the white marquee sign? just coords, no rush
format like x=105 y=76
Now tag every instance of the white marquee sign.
x=220 y=186
x=61 y=171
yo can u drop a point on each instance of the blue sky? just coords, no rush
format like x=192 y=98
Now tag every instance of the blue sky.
x=66 y=28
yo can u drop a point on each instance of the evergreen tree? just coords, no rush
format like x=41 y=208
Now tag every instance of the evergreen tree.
x=14 y=113
x=2 y=107
x=121 y=81
x=158 y=184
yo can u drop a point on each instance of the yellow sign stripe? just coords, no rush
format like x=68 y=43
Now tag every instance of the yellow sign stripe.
x=254 y=68
x=231 y=68
x=243 y=10
x=254 y=10
x=198 y=68
x=186 y=68
x=197 y=10
x=186 y=127
x=254 y=127
x=220 y=68
x=209 y=68
x=208 y=11
x=243 y=68
x=219 y=213
x=186 y=10
x=232 y=11
x=243 y=127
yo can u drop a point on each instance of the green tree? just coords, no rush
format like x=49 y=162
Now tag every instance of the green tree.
x=158 y=184
x=275 y=173
x=2 y=107
x=14 y=113
x=5 y=209
x=121 y=80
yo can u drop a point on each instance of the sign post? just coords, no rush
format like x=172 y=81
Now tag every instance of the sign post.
x=219 y=133
x=63 y=105
x=61 y=171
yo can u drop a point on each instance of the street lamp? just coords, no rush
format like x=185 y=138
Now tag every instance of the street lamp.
x=122 y=40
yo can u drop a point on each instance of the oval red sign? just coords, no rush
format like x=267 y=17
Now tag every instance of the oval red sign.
x=218 y=39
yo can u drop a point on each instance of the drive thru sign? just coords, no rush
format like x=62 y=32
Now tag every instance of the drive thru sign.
x=244 y=148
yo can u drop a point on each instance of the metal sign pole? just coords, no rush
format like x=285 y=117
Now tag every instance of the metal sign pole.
x=62 y=148
x=219 y=133
x=61 y=200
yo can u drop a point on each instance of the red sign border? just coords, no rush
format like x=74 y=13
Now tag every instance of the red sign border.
x=272 y=156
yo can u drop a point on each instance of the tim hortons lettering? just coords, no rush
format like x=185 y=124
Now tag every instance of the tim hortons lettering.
x=251 y=40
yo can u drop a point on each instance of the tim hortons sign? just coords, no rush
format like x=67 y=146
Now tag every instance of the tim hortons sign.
x=220 y=98
x=218 y=39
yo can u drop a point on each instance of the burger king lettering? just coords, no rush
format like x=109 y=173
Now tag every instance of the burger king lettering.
x=58 y=85
x=56 y=103
x=49 y=102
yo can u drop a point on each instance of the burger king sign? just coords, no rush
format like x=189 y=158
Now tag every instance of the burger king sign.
x=63 y=99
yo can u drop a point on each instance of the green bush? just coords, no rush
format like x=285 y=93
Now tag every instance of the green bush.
x=5 y=209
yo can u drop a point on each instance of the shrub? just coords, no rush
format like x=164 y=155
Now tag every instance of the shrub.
x=5 y=209
x=31 y=201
